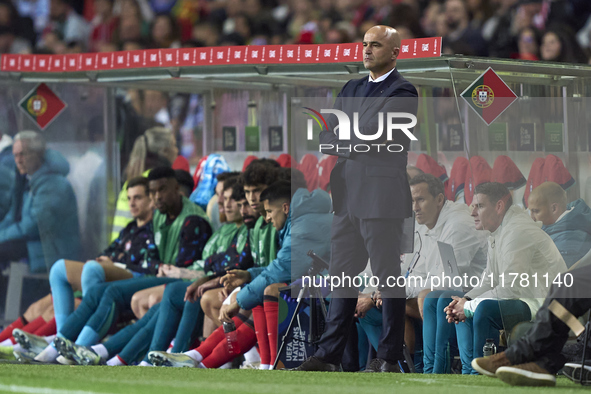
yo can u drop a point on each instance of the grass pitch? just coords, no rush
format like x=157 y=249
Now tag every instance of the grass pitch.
x=56 y=379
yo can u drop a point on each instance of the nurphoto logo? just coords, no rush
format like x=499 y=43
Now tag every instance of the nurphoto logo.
x=343 y=130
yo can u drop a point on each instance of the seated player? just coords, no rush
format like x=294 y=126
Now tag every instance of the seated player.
x=134 y=250
x=132 y=254
x=185 y=181
x=181 y=231
x=303 y=222
x=516 y=246
x=438 y=220
x=227 y=248
x=569 y=225
x=258 y=175
x=38 y=319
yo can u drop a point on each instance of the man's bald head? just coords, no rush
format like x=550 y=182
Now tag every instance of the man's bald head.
x=381 y=48
x=388 y=33
x=547 y=202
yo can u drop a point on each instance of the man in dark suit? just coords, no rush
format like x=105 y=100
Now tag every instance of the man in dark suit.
x=371 y=198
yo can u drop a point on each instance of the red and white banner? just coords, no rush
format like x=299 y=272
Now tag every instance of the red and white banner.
x=212 y=56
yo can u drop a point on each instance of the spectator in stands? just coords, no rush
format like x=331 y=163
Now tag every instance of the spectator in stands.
x=67 y=23
x=20 y=25
x=569 y=225
x=131 y=46
x=406 y=17
x=302 y=20
x=456 y=15
x=157 y=147
x=501 y=30
x=42 y=222
x=516 y=245
x=528 y=44
x=560 y=45
x=129 y=29
x=164 y=32
x=429 y=18
x=180 y=232
x=479 y=12
x=140 y=8
x=104 y=24
x=35 y=10
x=10 y=43
x=206 y=33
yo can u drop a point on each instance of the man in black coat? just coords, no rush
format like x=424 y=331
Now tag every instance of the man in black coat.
x=371 y=198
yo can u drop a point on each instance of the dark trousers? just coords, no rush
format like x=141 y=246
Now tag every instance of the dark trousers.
x=353 y=241
x=172 y=318
x=12 y=251
x=140 y=332
x=544 y=341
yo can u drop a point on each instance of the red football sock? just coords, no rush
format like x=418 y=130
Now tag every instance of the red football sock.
x=122 y=360
x=260 y=326
x=47 y=329
x=246 y=338
x=34 y=325
x=271 y=307
x=7 y=332
x=216 y=337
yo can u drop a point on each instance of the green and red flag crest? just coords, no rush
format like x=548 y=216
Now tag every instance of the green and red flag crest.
x=42 y=105
x=489 y=96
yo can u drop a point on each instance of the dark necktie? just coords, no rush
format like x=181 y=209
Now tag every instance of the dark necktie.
x=369 y=88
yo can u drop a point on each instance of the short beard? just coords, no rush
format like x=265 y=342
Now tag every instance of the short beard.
x=250 y=224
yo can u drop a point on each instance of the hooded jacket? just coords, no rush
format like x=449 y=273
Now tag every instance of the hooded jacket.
x=572 y=233
x=49 y=215
x=518 y=246
x=307 y=227
x=454 y=226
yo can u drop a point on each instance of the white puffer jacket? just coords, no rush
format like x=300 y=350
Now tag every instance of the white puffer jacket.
x=518 y=246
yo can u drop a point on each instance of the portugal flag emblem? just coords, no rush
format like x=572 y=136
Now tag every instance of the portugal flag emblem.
x=42 y=105
x=489 y=96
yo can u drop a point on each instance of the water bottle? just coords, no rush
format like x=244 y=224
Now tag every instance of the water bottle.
x=231 y=338
x=489 y=347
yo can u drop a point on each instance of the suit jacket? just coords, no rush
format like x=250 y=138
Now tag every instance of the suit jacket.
x=374 y=183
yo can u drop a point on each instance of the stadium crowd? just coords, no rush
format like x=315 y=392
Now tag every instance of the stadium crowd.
x=190 y=255
x=550 y=30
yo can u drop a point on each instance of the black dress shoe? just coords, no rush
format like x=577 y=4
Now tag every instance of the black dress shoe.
x=315 y=364
x=381 y=365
